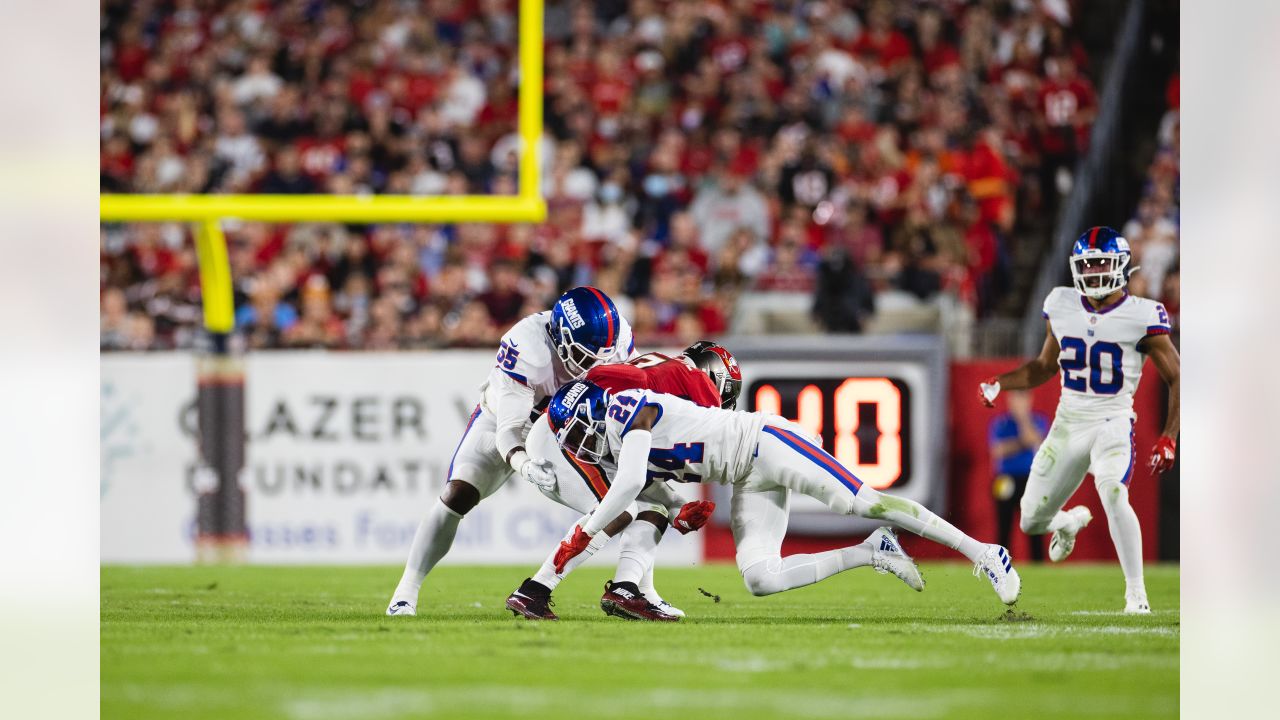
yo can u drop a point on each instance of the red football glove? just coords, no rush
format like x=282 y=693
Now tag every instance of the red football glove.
x=693 y=516
x=987 y=391
x=571 y=548
x=1162 y=454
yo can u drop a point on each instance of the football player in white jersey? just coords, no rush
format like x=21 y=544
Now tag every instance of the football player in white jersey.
x=704 y=373
x=1098 y=335
x=580 y=485
x=536 y=356
x=654 y=437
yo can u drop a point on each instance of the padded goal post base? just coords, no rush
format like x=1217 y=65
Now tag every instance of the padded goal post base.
x=221 y=532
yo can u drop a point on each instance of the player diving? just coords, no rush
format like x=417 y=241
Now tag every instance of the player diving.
x=652 y=437
x=1098 y=336
x=536 y=356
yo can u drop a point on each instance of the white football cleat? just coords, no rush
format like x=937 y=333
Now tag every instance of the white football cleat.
x=402 y=607
x=666 y=607
x=998 y=567
x=887 y=556
x=1064 y=539
x=1135 y=603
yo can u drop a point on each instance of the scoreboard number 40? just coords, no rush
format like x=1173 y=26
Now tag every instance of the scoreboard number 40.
x=861 y=420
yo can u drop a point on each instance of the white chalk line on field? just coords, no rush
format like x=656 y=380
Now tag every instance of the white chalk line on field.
x=1032 y=630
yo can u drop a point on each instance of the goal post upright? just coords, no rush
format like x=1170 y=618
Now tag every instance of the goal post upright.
x=222 y=533
x=529 y=106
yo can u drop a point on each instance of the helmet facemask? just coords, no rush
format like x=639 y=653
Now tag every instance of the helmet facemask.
x=576 y=357
x=584 y=436
x=1099 y=274
x=729 y=389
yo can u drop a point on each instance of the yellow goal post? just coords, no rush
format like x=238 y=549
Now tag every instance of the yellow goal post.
x=206 y=211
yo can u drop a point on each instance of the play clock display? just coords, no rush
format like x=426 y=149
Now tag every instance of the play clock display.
x=878 y=404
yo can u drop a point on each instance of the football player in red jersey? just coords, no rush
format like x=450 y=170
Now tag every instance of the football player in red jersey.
x=704 y=373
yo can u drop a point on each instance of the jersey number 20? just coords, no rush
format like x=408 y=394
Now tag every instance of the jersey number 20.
x=1077 y=355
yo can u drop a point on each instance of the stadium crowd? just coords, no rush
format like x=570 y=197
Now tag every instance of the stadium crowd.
x=693 y=152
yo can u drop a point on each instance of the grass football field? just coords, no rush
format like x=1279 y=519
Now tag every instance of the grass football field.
x=312 y=644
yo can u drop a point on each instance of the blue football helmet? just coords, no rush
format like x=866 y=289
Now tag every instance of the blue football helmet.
x=1100 y=262
x=576 y=414
x=584 y=328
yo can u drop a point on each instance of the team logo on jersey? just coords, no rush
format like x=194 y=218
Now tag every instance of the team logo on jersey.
x=571 y=312
x=1093 y=319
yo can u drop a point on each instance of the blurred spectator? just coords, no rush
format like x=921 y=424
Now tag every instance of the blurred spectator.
x=844 y=297
x=1154 y=241
x=503 y=299
x=286 y=177
x=726 y=205
x=318 y=327
x=266 y=318
x=791 y=267
x=1067 y=104
x=115 y=327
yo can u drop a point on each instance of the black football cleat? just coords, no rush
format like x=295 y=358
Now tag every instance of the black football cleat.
x=625 y=601
x=532 y=600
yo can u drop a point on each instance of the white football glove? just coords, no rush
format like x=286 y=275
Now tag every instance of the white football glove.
x=539 y=472
x=988 y=391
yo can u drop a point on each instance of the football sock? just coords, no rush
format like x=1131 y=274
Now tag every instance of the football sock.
x=777 y=574
x=1126 y=533
x=646 y=580
x=547 y=575
x=533 y=588
x=432 y=540
x=914 y=517
x=635 y=556
x=628 y=586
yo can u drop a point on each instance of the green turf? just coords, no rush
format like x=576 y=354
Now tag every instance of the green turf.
x=312 y=644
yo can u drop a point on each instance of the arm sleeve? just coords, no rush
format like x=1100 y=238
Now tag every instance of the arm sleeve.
x=628 y=481
x=515 y=403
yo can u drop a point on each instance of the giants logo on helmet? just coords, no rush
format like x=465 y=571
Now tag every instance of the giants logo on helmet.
x=571 y=312
x=570 y=398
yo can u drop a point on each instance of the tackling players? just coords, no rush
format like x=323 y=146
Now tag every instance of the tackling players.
x=536 y=356
x=705 y=374
x=1099 y=336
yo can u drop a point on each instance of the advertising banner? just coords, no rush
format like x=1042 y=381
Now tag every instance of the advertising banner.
x=345 y=452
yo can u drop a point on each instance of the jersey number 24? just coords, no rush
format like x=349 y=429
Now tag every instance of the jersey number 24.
x=1077 y=355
